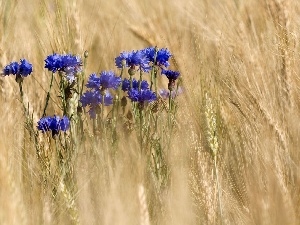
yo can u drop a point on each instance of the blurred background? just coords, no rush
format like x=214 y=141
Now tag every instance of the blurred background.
x=238 y=61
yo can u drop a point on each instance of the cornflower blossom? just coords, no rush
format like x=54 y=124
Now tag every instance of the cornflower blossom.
x=172 y=76
x=135 y=84
x=53 y=124
x=133 y=59
x=106 y=80
x=141 y=96
x=14 y=68
x=162 y=57
x=93 y=99
x=69 y=64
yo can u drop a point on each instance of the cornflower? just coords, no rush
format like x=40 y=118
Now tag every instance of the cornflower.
x=93 y=99
x=172 y=76
x=162 y=56
x=135 y=84
x=20 y=70
x=69 y=64
x=106 y=80
x=133 y=59
x=53 y=124
x=142 y=96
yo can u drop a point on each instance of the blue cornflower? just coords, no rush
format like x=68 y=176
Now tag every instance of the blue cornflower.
x=141 y=96
x=135 y=84
x=107 y=79
x=93 y=82
x=56 y=62
x=132 y=59
x=23 y=69
x=11 y=68
x=170 y=74
x=54 y=124
x=70 y=64
x=162 y=56
x=93 y=99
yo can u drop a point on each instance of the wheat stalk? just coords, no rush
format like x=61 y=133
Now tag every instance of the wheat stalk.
x=144 y=213
x=213 y=142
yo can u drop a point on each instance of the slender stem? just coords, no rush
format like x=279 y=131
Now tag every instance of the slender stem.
x=154 y=70
x=122 y=71
x=102 y=114
x=130 y=78
x=155 y=81
x=48 y=95
x=141 y=78
x=141 y=129
x=22 y=96
x=63 y=95
x=218 y=187
x=170 y=112
x=151 y=78
x=170 y=101
x=95 y=125
x=24 y=156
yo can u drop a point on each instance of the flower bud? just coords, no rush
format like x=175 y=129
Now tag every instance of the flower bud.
x=19 y=79
x=86 y=54
x=171 y=85
x=123 y=101
x=131 y=71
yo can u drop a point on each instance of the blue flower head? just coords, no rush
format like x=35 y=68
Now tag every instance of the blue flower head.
x=70 y=64
x=141 y=96
x=135 y=84
x=93 y=82
x=54 y=62
x=107 y=79
x=11 y=68
x=132 y=59
x=23 y=69
x=93 y=99
x=162 y=56
x=54 y=124
x=170 y=74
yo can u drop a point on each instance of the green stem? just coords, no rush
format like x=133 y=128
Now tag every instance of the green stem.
x=63 y=96
x=151 y=78
x=154 y=71
x=95 y=125
x=22 y=96
x=170 y=101
x=141 y=129
x=48 y=95
x=102 y=114
x=130 y=78
x=122 y=71
x=155 y=81
x=141 y=78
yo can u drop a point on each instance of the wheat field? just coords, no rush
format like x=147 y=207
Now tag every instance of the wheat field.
x=233 y=157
